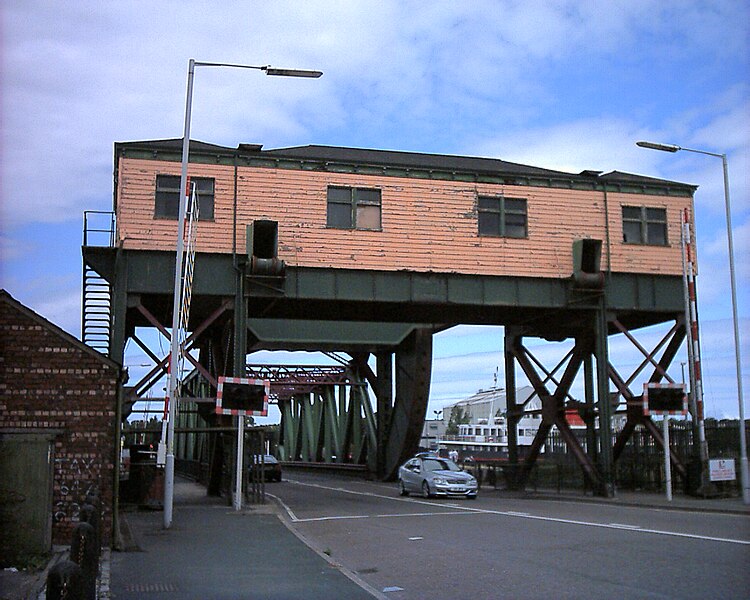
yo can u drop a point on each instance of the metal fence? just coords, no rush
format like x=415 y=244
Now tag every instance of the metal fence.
x=641 y=464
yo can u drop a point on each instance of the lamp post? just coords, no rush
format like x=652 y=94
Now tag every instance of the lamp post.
x=743 y=441
x=175 y=350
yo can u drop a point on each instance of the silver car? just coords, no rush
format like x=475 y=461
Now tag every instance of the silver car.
x=431 y=475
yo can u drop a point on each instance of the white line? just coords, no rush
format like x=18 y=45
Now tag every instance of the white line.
x=519 y=515
x=288 y=510
x=335 y=518
x=627 y=528
x=388 y=516
x=395 y=499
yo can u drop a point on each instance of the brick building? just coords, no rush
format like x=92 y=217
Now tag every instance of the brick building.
x=57 y=430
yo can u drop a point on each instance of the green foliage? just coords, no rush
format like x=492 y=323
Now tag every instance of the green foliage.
x=459 y=416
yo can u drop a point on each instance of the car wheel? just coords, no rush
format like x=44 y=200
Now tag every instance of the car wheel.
x=426 y=490
x=472 y=497
x=402 y=490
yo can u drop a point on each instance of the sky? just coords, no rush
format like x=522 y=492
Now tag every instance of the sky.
x=566 y=85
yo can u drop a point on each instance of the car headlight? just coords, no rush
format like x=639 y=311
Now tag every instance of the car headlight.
x=440 y=480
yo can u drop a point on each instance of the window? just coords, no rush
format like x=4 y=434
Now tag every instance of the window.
x=644 y=225
x=502 y=217
x=353 y=208
x=167 y=206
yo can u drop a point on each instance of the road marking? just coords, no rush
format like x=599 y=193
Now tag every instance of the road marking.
x=519 y=515
x=288 y=510
x=393 y=588
x=372 y=495
x=386 y=516
x=414 y=539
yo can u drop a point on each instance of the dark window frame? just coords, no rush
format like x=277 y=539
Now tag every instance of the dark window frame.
x=356 y=200
x=167 y=197
x=502 y=216
x=638 y=223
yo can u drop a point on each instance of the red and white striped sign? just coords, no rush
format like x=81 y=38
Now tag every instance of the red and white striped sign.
x=241 y=396
x=664 y=399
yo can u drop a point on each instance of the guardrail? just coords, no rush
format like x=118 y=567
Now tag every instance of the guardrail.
x=339 y=468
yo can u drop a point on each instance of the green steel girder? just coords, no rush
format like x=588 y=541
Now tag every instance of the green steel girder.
x=288 y=334
x=324 y=426
x=388 y=313
x=544 y=307
x=413 y=370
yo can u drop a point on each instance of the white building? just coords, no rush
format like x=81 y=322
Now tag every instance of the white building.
x=486 y=427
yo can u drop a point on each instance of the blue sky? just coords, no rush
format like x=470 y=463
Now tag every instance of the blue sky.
x=558 y=84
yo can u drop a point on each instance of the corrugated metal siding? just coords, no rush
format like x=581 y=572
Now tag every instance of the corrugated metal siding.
x=427 y=225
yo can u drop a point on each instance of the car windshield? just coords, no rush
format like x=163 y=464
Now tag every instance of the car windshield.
x=265 y=458
x=439 y=464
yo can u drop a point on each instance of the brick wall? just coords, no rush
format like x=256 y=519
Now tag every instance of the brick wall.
x=51 y=381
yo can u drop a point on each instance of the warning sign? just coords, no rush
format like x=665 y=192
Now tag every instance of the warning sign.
x=721 y=469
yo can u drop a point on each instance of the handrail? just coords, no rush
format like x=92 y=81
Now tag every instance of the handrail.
x=107 y=228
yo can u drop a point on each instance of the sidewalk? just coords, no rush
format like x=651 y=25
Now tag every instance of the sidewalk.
x=214 y=552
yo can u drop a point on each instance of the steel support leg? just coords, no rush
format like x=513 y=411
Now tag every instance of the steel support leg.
x=413 y=370
x=601 y=352
x=512 y=341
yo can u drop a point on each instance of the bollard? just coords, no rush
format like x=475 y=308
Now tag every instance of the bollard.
x=85 y=554
x=65 y=582
x=89 y=513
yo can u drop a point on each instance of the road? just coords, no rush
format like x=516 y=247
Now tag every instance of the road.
x=502 y=547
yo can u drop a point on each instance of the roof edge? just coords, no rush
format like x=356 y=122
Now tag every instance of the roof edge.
x=6 y=297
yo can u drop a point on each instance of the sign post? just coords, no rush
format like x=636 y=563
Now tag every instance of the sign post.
x=239 y=397
x=667 y=458
x=665 y=399
x=240 y=454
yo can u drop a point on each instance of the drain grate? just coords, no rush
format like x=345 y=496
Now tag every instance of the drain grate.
x=151 y=587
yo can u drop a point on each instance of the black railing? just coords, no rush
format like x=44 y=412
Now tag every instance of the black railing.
x=99 y=228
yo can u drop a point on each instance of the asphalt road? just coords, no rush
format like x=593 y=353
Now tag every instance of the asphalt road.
x=500 y=547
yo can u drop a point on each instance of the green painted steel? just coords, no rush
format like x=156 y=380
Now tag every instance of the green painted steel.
x=395 y=297
x=332 y=425
x=413 y=370
x=388 y=314
x=306 y=333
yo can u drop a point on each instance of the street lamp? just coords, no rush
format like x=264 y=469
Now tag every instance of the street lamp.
x=743 y=442
x=175 y=349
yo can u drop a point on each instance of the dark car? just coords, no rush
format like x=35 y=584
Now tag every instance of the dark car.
x=431 y=475
x=270 y=466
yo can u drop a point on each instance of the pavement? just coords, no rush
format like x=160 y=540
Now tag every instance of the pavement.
x=733 y=505
x=214 y=552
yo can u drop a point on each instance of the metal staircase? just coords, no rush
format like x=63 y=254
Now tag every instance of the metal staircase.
x=96 y=318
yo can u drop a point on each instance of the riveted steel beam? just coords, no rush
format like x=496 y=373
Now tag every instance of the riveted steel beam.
x=634 y=402
x=413 y=370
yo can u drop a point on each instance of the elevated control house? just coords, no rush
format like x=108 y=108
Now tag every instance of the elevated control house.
x=370 y=252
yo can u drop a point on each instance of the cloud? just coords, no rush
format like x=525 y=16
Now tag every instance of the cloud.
x=62 y=310
x=554 y=83
x=80 y=76
x=459 y=376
